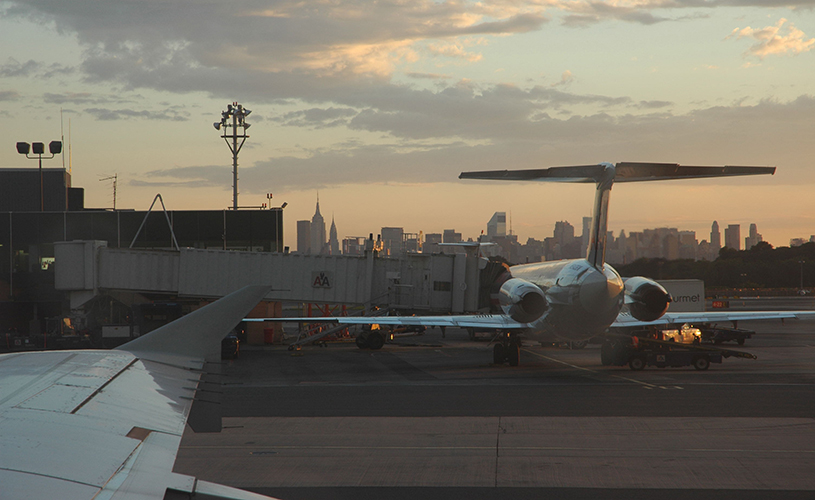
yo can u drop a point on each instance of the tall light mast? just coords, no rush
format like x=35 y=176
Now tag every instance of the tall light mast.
x=237 y=113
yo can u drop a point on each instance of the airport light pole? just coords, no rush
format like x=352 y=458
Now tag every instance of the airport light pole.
x=277 y=219
x=38 y=149
x=234 y=117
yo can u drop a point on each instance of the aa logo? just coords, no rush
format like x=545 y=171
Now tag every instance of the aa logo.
x=320 y=279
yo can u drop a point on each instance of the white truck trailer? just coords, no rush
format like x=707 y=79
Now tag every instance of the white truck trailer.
x=688 y=295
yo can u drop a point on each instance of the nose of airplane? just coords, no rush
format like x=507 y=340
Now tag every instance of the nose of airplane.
x=601 y=292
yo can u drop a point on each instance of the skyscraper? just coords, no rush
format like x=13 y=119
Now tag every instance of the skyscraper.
x=732 y=236
x=431 y=243
x=393 y=239
x=451 y=236
x=333 y=241
x=318 y=231
x=564 y=233
x=715 y=238
x=304 y=236
x=753 y=238
x=497 y=226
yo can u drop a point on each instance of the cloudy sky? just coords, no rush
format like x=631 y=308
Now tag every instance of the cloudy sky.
x=379 y=105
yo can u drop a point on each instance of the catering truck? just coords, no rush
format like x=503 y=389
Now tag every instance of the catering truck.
x=687 y=295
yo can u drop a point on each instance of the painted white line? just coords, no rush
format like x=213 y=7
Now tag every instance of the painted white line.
x=272 y=447
x=640 y=382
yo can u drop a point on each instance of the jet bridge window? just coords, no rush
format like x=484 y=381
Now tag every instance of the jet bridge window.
x=442 y=286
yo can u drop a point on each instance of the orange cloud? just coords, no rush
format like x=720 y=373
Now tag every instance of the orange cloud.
x=456 y=50
x=775 y=40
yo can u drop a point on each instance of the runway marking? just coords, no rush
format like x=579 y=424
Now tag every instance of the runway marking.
x=646 y=385
x=345 y=447
x=267 y=451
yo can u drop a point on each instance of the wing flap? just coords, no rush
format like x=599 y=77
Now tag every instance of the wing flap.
x=61 y=446
x=23 y=485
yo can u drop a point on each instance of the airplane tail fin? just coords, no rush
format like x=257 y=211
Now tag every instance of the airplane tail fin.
x=604 y=175
x=198 y=334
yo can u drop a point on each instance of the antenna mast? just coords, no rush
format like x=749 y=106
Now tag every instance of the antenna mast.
x=114 y=178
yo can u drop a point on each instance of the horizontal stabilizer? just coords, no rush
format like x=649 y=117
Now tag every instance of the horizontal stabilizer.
x=468 y=244
x=604 y=175
x=623 y=172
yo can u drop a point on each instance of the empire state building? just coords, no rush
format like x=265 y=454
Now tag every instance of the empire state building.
x=318 y=232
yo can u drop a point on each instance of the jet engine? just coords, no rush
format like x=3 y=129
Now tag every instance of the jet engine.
x=521 y=300
x=646 y=299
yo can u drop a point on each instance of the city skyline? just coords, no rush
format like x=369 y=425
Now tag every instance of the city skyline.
x=381 y=121
x=622 y=246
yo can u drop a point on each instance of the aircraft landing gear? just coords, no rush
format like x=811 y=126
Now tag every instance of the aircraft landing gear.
x=499 y=354
x=508 y=350
x=362 y=340
x=372 y=339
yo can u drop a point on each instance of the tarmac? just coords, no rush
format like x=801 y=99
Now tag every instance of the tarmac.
x=431 y=417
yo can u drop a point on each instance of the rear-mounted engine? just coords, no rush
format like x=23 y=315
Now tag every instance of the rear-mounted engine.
x=521 y=300
x=646 y=299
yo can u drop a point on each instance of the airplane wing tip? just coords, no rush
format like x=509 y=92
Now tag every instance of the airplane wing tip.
x=196 y=334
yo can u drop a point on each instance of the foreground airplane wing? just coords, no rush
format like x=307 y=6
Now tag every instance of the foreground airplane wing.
x=497 y=321
x=678 y=318
x=107 y=424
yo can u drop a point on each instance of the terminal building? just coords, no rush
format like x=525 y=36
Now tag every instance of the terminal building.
x=28 y=297
x=68 y=266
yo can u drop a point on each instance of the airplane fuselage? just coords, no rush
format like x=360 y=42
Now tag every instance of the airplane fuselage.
x=582 y=300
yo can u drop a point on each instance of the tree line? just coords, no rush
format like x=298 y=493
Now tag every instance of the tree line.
x=760 y=267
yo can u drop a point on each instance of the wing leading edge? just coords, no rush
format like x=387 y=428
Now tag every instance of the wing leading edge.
x=107 y=424
x=498 y=321
x=679 y=318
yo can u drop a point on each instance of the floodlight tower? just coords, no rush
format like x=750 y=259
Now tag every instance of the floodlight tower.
x=238 y=115
x=38 y=149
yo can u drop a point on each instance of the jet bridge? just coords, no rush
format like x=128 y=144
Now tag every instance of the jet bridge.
x=438 y=283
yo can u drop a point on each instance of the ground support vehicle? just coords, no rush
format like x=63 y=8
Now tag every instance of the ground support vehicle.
x=717 y=335
x=638 y=353
x=369 y=338
x=374 y=337
x=230 y=346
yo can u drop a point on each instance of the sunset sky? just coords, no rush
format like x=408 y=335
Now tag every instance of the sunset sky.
x=379 y=105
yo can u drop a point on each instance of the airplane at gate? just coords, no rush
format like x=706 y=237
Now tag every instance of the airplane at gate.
x=574 y=300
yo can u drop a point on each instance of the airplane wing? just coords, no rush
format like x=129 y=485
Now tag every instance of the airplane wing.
x=678 y=318
x=497 y=321
x=107 y=424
